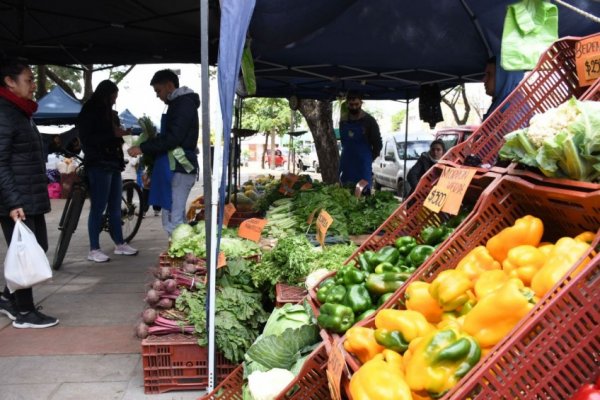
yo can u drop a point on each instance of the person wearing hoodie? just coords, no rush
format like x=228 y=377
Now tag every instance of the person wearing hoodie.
x=499 y=83
x=425 y=161
x=174 y=149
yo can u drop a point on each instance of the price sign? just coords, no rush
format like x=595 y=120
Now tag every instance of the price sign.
x=287 y=184
x=228 y=212
x=360 y=187
x=587 y=60
x=221 y=260
x=324 y=220
x=335 y=368
x=311 y=217
x=436 y=199
x=252 y=228
x=454 y=183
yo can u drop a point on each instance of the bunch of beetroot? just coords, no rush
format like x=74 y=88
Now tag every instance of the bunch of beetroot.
x=161 y=318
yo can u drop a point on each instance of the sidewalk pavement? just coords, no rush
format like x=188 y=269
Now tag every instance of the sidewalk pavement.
x=92 y=352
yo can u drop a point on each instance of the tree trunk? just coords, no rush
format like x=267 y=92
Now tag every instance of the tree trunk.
x=88 y=70
x=59 y=81
x=41 y=82
x=264 y=153
x=452 y=104
x=272 y=164
x=318 y=115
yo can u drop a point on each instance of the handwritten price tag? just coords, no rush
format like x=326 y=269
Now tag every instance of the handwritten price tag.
x=454 y=182
x=287 y=184
x=335 y=368
x=311 y=217
x=228 y=212
x=252 y=228
x=221 y=260
x=324 y=220
x=436 y=199
x=587 y=60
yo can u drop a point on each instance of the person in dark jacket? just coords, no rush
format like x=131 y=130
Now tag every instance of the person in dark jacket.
x=361 y=143
x=101 y=140
x=175 y=163
x=23 y=181
x=425 y=161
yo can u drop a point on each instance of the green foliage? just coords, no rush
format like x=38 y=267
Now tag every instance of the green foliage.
x=266 y=115
x=398 y=119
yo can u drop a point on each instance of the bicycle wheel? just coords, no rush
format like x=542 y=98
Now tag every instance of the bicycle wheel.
x=68 y=224
x=131 y=210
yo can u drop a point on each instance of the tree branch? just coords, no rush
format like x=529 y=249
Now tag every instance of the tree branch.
x=58 y=81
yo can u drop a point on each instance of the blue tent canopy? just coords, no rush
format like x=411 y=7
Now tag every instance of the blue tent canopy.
x=57 y=108
x=128 y=120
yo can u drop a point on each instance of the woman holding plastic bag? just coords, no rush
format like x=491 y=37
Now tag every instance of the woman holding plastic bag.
x=23 y=181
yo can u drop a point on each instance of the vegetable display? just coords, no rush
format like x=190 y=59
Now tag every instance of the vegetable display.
x=464 y=312
x=561 y=142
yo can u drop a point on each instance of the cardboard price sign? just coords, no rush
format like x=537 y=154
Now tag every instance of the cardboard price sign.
x=335 y=368
x=311 y=217
x=252 y=228
x=228 y=212
x=287 y=184
x=454 y=183
x=324 y=220
x=221 y=260
x=587 y=60
x=436 y=199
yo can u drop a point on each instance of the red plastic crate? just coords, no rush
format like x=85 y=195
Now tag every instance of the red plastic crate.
x=593 y=92
x=165 y=260
x=177 y=362
x=552 y=82
x=309 y=384
x=288 y=294
x=566 y=211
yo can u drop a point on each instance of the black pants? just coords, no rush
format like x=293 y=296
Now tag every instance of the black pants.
x=145 y=196
x=23 y=298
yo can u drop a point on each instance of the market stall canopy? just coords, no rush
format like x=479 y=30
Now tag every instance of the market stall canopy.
x=128 y=120
x=385 y=49
x=116 y=32
x=57 y=108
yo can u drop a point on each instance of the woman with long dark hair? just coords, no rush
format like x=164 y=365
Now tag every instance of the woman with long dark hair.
x=101 y=140
x=23 y=181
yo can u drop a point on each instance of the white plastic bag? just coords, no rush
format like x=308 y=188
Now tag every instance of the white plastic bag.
x=26 y=263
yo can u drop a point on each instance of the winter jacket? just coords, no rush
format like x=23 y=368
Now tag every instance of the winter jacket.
x=23 y=180
x=180 y=128
x=418 y=170
x=100 y=146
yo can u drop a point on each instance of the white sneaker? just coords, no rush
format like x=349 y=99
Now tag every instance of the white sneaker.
x=125 y=250
x=97 y=256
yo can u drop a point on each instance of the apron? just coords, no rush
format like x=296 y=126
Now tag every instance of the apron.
x=160 y=186
x=355 y=162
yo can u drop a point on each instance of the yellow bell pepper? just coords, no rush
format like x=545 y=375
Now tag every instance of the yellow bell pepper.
x=546 y=248
x=451 y=321
x=476 y=261
x=381 y=378
x=411 y=324
x=489 y=282
x=523 y=262
x=526 y=230
x=361 y=342
x=436 y=362
x=450 y=288
x=418 y=299
x=496 y=314
x=587 y=237
x=564 y=254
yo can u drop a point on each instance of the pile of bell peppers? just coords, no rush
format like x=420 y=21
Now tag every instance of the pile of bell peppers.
x=450 y=323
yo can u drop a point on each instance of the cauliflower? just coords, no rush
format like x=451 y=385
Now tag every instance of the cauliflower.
x=268 y=385
x=548 y=124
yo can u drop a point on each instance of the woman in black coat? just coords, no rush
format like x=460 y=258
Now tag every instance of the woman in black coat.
x=425 y=161
x=23 y=181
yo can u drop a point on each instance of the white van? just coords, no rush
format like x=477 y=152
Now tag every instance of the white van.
x=397 y=158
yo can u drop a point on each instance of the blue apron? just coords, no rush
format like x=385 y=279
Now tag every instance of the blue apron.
x=160 y=185
x=356 y=160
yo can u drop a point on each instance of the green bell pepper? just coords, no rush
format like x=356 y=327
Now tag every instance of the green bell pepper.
x=456 y=220
x=363 y=264
x=335 y=317
x=368 y=255
x=365 y=314
x=385 y=254
x=323 y=288
x=383 y=298
x=387 y=267
x=465 y=350
x=392 y=340
x=405 y=244
x=335 y=294
x=350 y=275
x=432 y=235
x=357 y=298
x=419 y=254
x=378 y=284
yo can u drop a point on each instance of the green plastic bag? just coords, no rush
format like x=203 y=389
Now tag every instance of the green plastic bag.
x=248 y=71
x=530 y=27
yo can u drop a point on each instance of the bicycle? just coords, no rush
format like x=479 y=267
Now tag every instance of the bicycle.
x=131 y=213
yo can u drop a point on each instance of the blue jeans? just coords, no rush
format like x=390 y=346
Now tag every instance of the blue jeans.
x=181 y=185
x=105 y=194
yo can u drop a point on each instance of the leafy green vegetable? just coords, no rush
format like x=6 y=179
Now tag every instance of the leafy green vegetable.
x=289 y=316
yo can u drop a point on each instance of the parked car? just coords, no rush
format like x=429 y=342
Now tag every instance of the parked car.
x=397 y=158
x=455 y=135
